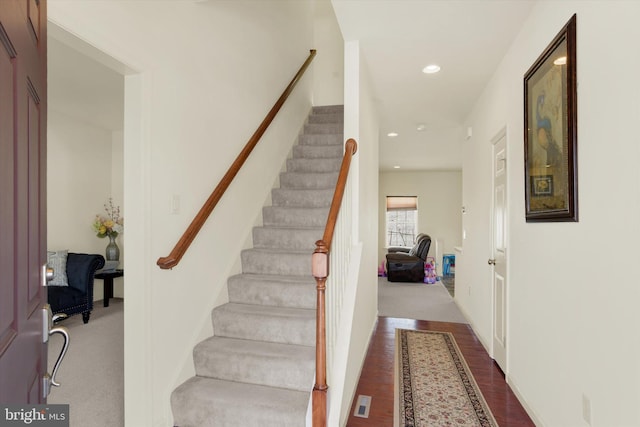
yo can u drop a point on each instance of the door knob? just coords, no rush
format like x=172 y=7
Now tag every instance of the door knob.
x=491 y=262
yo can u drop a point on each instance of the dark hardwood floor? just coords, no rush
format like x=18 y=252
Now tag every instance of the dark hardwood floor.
x=376 y=379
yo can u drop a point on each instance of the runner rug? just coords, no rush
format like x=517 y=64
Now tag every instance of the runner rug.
x=434 y=385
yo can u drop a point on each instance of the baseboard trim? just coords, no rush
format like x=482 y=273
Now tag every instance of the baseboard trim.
x=516 y=391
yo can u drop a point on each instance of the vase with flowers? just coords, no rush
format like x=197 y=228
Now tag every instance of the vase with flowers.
x=110 y=225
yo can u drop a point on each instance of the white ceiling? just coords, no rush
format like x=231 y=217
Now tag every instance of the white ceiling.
x=467 y=38
x=397 y=38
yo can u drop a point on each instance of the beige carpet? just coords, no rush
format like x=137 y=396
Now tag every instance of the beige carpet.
x=92 y=373
x=434 y=385
x=417 y=301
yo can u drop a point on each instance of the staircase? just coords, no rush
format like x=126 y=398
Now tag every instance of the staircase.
x=258 y=368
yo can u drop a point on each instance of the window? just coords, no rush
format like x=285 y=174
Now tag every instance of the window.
x=402 y=220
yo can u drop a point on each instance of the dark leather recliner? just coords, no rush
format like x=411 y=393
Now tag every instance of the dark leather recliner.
x=78 y=296
x=408 y=266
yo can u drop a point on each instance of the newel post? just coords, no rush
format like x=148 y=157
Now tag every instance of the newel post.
x=320 y=270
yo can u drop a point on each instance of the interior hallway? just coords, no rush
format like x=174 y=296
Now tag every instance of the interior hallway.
x=376 y=379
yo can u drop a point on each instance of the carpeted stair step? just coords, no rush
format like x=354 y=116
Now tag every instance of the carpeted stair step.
x=323 y=128
x=326 y=117
x=327 y=109
x=205 y=402
x=313 y=165
x=321 y=139
x=273 y=290
x=286 y=238
x=256 y=362
x=308 y=181
x=302 y=198
x=263 y=323
x=295 y=216
x=275 y=261
x=333 y=151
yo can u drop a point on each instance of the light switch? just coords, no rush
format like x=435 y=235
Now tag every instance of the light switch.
x=174 y=208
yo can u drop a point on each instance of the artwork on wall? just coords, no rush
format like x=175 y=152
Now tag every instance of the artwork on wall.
x=550 y=131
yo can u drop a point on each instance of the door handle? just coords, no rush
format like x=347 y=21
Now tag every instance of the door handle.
x=491 y=262
x=65 y=334
x=49 y=380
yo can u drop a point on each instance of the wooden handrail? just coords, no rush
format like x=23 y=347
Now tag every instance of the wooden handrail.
x=320 y=271
x=190 y=234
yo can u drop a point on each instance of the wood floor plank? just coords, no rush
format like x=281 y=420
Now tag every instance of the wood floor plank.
x=376 y=379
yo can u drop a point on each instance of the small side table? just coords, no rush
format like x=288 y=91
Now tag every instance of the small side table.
x=108 y=277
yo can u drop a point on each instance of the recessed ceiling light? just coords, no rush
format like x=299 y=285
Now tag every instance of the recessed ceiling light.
x=560 y=61
x=392 y=134
x=430 y=69
x=421 y=127
x=396 y=167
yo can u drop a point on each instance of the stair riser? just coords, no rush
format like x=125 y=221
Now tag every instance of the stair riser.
x=322 y=128
x=302 y=199
x=268 y=369
x=327 y=109
x=256 y=326
x=323 y=139
x=318 y=151
x=326 y=118
x=283 y=238
x=277 y=263
x=274 y=294
x=294 y=217
x=313 y=165
x=308 y=181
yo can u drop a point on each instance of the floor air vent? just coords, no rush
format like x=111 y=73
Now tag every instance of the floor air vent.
x=362 y=408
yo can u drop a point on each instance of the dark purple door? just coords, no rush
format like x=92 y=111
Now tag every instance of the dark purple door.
x=23 y=110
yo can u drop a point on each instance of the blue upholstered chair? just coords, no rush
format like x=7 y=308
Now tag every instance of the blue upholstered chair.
x=77 y=296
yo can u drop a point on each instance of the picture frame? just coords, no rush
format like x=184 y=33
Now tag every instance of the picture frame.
x=550 y=132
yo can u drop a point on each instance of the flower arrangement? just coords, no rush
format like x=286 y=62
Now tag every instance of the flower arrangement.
x=110 y=225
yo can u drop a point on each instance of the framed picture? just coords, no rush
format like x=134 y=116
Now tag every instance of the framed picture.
x=550 y=132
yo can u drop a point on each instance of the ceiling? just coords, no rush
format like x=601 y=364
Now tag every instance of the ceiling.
x=398 y=38
x=467 y=38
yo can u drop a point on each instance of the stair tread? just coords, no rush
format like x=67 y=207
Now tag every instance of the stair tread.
x=266 y=310
x=275 y=278
x=273 y=290
x=273 y=364
x=279 y=251
x=267 y=348
x=291 y=227
x=213 y=402
x=286 y=227
x=290 y=325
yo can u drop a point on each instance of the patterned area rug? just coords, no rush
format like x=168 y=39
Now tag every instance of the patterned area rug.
x=434 y=385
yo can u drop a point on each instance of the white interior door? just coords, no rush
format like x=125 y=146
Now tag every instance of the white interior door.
x=498 y=261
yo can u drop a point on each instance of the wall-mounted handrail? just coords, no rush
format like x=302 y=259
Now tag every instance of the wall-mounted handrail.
x=190 y=234
x=320 y=271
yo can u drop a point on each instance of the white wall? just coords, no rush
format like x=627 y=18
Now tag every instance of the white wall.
x=572 y=291
x=206 y=73
x=439 y=205
x=80 y=170
x=328 y=75
x=361 y=123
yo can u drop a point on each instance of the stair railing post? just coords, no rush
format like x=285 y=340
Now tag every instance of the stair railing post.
x=320 y=271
